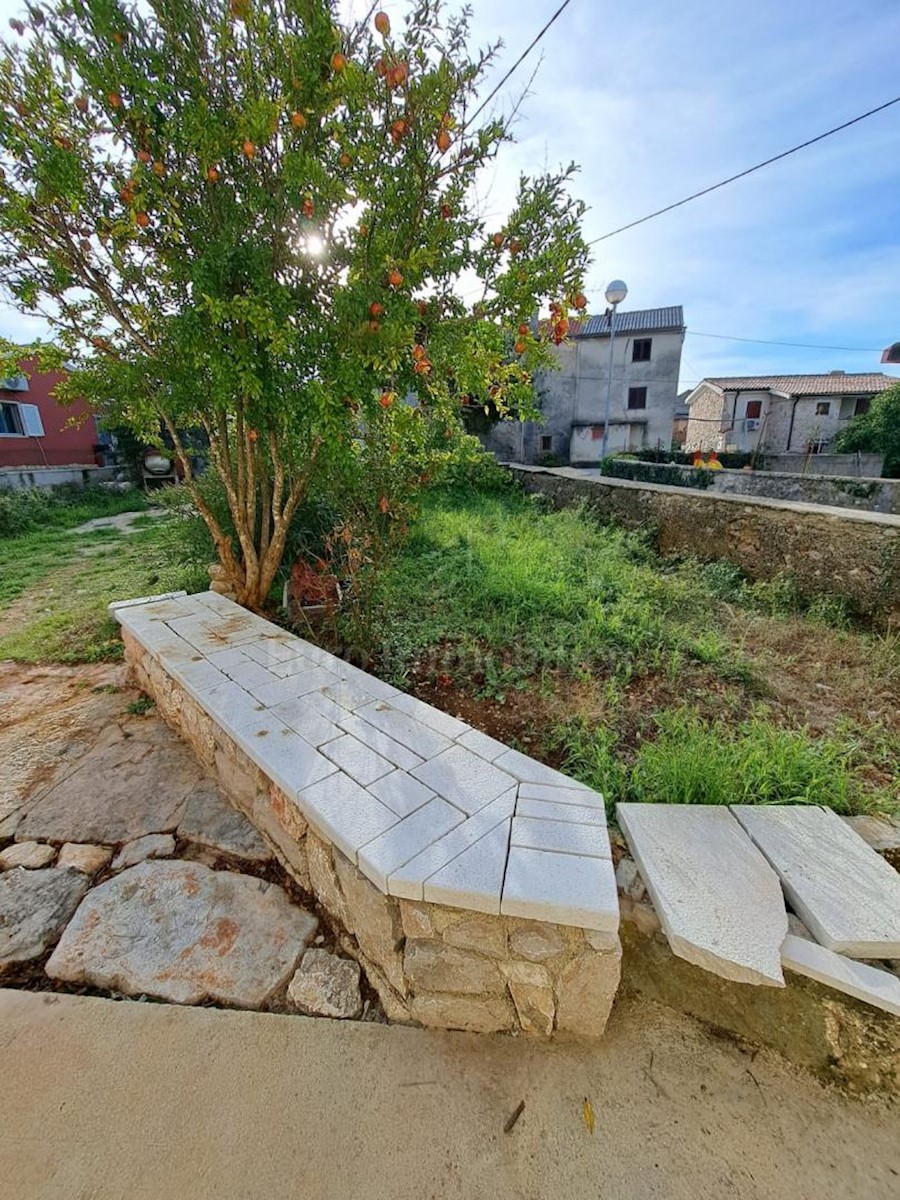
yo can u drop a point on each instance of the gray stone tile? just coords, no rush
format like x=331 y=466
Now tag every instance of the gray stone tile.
x=283 y=754
x=869 y=984
x=231 y=707
x=544 y=810
x=846 y=894
x=400 y=792
x=232 y=657
x=450 y=727
x=529 y=770
x=306 y=719
x=250 y=675
x=345 y=813
x=474 y=879
x=419 y=738
x=270 y=650
x=718 y=899
x=562 y=836
x=409 y=880
x=356 y=759
x=409 y=837
x=197 y=677
x=271 y=694
x=482 y=745
x=576 y=794
x=370 y=683
x=348 y=695
x=565 y=889
x=464 y=779
x=393 y=751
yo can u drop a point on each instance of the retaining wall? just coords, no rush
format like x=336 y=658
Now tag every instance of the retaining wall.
x=828 y=551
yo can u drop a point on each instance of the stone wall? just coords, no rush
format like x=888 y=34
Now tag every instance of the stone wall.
x=871 y=495
x=848 y=466
x=431 y=965
x=829 y=552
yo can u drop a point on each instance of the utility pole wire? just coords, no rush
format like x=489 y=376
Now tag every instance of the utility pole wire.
x=797 y=345
x=518 y=62
x=750 y=170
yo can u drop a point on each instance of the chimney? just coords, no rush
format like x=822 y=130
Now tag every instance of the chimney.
x=837 y=372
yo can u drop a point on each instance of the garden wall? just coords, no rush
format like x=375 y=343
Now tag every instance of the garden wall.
x=828 y=551
x=870 y=494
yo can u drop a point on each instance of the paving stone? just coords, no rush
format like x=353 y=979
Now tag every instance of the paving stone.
x=292 y=666
x=299 y=684
x=84 y=857
x=370 y=683
x=346 y=813
x=117 y=607
x=564 y=836
x=408 y=881
x=846 y=894
x=181 y=932
x=545 y=810
x=407 y=838
x=283 y=754
x=464 y=779
x=153 y=845
x=34 y=909
x=226 y=659
x=325 y=985
x=348 y=695
x=529 y=770
x=269 y=650
x=421 y=739
x=211 y=821
x=574 y=794
x=719 y=901
x=250 y=675
x=434 y=718
x=306 y=720
x=565 y=888
x=26 y=854
x=197 y=677
x=400 y=755
x=869 y=984
x=356 y=759
x=479 y=743
x=117 y=793
x=401 y=793
x=474 y=879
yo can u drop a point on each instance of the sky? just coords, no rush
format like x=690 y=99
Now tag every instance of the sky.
x=657 y=100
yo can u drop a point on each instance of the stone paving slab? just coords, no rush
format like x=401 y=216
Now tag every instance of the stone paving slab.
x=873 y=986
x=34 y=909
x=210 y=821
x=183 y=933
x=719 y=901
x=845 y=893
x=412 y=795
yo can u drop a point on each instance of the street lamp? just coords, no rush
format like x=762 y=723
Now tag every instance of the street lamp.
x=615 y=294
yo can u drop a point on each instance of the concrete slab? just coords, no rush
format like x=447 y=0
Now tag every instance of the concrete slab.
x=719 y=902
x=845 y=893
x=254 y=1105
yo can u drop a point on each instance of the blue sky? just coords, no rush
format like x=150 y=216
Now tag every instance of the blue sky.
x=656 y=100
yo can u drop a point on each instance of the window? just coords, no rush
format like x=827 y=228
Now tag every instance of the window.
x=862 y=406
x=641 y=350
x=546 y=443
x=637 y=397
x=11 y=421
x=754 y=410
x=823 y=408
x=596 y=433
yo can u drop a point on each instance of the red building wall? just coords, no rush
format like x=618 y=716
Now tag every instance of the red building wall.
x=70 y=433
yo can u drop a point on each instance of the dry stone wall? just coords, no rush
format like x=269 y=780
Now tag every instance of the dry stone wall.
x=430 y=964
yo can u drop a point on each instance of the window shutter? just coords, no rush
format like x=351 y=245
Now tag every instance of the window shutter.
x=31 y=420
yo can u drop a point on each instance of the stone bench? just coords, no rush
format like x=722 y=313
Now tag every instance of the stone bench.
x=474 y=884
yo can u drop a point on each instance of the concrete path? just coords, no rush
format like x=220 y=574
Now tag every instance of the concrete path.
x=123 y=522
x=110 y=1100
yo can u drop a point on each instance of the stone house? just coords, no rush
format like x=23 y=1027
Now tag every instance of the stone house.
x=778 y=414
x=572 y=399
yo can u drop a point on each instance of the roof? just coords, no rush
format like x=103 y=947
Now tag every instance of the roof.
x=834 y=383
x=644 y=320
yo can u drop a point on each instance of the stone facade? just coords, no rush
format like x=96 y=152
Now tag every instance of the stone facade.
x=432 y=965
x=855 y=556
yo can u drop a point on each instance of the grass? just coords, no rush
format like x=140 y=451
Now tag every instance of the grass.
x=55 y=584
x=650 y=679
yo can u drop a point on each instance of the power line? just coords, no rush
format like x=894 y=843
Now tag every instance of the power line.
x=796 y=345
x=518 y=62
x=749 y=171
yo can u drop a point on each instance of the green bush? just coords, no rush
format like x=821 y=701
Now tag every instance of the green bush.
x=671 y=474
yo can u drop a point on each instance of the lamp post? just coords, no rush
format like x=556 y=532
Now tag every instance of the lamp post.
x=615 y=294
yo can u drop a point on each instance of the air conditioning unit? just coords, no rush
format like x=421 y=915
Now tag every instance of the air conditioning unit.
x=752 y=424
